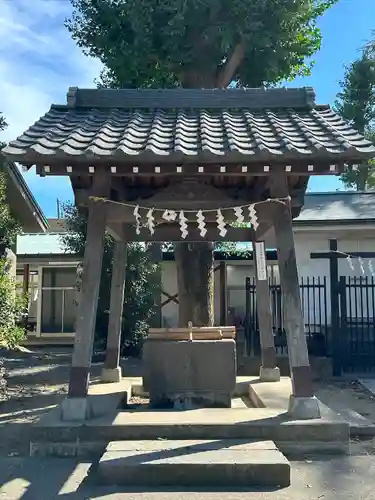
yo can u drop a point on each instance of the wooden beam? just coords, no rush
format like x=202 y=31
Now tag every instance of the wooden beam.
x=263 y=304
x=292 y=309
x=171 y=232
x=112 y=358
x=236 y=165
x=86 y=314
x=116 y=230
x=26 y=278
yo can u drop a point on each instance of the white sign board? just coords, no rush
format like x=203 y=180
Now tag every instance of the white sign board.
x=261 y=262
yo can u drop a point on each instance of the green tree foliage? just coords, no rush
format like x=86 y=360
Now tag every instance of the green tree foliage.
x=140 y=290
x=198 y=43
x=12 y=305
x=356 y=104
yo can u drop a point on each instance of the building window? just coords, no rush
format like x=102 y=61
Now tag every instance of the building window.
x=58 y=311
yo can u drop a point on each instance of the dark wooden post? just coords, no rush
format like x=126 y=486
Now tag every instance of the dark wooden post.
x=335 y=314
x=269 y=372
x=76 y=405
x=223 y=293
x=26 y=278
x=26 y=286
x=112 y=370
x=303 y=404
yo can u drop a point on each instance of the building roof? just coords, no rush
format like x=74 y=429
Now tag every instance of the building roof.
x=185 y=125
x=339 y=207
x=41 y=244
x=22 y=202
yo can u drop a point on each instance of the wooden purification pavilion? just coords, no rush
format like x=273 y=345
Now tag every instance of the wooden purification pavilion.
x=189 y=150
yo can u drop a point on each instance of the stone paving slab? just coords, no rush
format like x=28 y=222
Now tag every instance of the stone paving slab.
x=194 y=463
x=276 y=395
x=270 y=394
x=306 y=436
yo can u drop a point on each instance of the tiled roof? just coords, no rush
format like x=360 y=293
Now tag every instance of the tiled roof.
x=337 y=207
x=190 y=125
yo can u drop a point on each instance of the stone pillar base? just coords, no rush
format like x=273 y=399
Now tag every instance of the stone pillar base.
x=269 y=374
x=111 y=374
x=304 y=408
x=75 y=409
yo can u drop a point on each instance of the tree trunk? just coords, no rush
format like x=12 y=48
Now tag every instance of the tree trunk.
x=194 y=261
x=362 y=177
x=195 y=278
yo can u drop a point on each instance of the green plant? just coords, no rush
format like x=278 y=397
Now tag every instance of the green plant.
x=356 y=104
x=140 y=289
x=13 y=307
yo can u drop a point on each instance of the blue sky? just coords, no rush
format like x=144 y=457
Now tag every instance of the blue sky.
x=39 y=61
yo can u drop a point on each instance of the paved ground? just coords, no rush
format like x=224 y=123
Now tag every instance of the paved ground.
x=345 y=478
x=37 y=382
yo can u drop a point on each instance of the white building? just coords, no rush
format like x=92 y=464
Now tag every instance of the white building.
x=345 y=216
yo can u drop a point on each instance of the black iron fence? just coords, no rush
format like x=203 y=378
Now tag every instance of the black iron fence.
x=357 y=323
x=354 y=337
x=314 y=305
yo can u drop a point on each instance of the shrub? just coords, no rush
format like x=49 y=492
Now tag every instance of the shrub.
x=13 y=307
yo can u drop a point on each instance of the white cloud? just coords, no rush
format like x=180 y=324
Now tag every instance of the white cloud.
x=38 y=63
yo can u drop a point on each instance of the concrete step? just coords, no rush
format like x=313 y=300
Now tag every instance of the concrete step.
x=194 y=463
x=359 y=425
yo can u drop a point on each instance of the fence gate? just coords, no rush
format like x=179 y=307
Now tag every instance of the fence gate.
x=357 y=323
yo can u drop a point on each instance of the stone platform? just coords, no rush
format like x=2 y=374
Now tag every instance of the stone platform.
x=268 y=421
x=194 y=464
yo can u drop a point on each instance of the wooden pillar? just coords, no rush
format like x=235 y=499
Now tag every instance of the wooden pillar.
x=26 y=278
x=223 y=293
x=26 y=286
x=302 y=403
x=269 y=372
x=76 y=406
x=112 y=371
x=335 y=315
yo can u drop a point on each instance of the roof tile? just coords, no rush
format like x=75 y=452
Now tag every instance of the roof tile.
x=247 y=132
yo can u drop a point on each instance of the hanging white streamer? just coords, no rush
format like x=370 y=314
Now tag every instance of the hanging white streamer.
x=138 y=219
x=221 y=223
x=371 y=268
x=151 y=221
x=253 y=217
x=361 y=264
x=169 y=215
x=183 y=224
x=350 y=262
x=238 y=212
x=201 y=223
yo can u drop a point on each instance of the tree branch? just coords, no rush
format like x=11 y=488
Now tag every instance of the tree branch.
x=230 y=67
